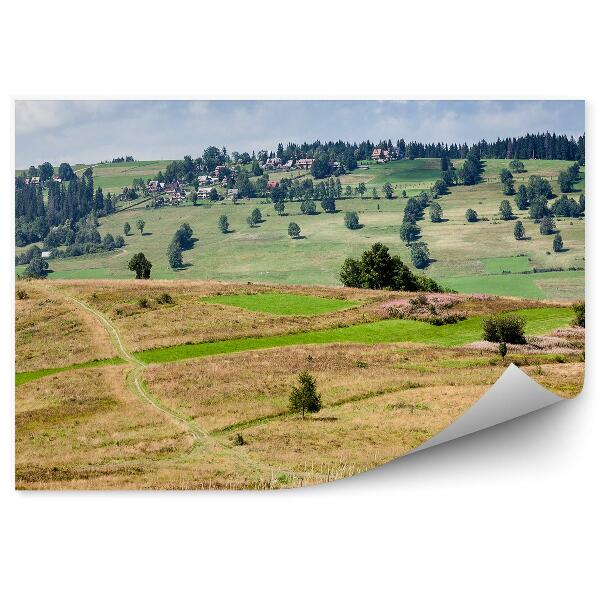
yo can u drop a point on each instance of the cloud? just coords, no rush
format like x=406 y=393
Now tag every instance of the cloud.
x=94 y=130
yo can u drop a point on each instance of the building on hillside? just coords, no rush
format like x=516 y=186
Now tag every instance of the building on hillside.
x=305 y=163
x=32 y=181
x=271 y=185
x=46 y=254
x=232 y=193
x=205 y=179
x=153 y=187
x=219 y=169
x=273 y=163
x=288 y=165
x=204 y=193
x=380 y=155
x=174 y=187
x=56 y=178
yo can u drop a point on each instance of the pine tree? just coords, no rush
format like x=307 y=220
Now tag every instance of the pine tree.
x=557 y=243
x=519 y=230
x=305 y=398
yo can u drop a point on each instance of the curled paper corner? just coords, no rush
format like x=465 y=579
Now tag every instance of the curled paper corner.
x=514 y=394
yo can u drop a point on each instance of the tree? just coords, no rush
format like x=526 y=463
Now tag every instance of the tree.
x=435 y=212
x=213 y=195
x=280 y=207
x=579 y=310
x=254 y=218
x=141 y=265
x=547 y=225
x=409 y=232
x=294 y=230
x=377 y=269
x=419 y=254
x=140 y=224
x=522 y=200
x=351 y=220
x=506 y=179
x=388 y=190
x=223 y=224
x=506 y=212
x=108 y=242
x=175 y=255
x=328 y=204
x=471 y=215
x=504 y=328
x=538 y=208
x=36 y=268
x=305 y=398
x=65 y=172
x=308 y=207
x=519 y=231
x=557 y=243
x=349 y=191
x=126 y=228
x=516 y=166
x=46 y=170
x=361 y=189
x=320 y=167
x=375 y=194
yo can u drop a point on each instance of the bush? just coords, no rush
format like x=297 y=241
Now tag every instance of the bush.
x=22 y=295
x=165 y=298
x=238 y=440
x=579 y=310
x=143 y=303
x=504 y=328
x=471 y=215
x=293 y=230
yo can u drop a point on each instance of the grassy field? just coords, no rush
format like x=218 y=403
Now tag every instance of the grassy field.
x=115 y=422
x=478 y=257
x=114 y=177
x=282 y=304
x=539 y=320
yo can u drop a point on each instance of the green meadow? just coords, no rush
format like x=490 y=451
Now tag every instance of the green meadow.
x=539 y=320
x=480 y=257
x=282 y=304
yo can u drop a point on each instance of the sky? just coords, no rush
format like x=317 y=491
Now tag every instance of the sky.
x=89 y=131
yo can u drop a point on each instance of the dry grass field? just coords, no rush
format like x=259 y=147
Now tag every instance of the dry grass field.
x=223 y=420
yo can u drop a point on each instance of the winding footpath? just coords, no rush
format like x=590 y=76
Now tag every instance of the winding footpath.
x=203 y=438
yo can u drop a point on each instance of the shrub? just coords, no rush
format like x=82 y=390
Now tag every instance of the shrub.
x=579 y=310
x=502 y=349
x=165 y=298
x=471 y=215
x=557 y=243
x=504 y=328
x=238 y=439
x=143 y=303
x=22 y=295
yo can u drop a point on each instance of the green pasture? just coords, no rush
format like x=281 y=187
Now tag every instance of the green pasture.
x=27 y=376
x=539 y=320
x=282 y=304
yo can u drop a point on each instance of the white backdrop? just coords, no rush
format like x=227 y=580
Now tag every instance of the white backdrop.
x=507 y=513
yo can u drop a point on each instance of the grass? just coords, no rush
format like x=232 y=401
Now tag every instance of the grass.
x=282 y=304
x=267 y=254
x=508 y=264
x=539 y=320
x=27 y=376
x=560 y=284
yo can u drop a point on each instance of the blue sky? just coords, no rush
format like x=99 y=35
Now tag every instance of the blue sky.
x=93 y=130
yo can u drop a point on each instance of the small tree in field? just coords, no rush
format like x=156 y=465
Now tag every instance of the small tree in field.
x=280 y=207
x=471 y=216
x=579 y=310
x=547 y=225
x=223 y=224
x=519 y=231
x=126 y=228
x=351 y=220
x=293 y=230
x=141 y=265
x=361 y=189
x=140 y=224
x=505 y=209
x=506 y=328
x=349 y=191
x=435 y=212
x=388 y=190
x=305 y=398
x=557 y=243
x=375 y=194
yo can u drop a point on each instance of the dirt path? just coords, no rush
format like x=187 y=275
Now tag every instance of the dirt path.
x=203 y=438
